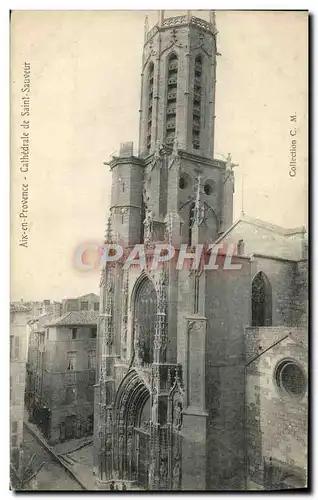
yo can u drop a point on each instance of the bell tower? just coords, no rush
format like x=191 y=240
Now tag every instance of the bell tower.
x=151 y=386
x=178 y=84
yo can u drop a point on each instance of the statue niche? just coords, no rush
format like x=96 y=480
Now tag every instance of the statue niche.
x=145 y=321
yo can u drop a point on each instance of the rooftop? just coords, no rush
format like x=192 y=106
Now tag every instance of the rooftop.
x=16 y=307
x=76 y=318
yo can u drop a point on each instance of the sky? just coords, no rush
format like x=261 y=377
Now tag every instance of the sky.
x=84 y=101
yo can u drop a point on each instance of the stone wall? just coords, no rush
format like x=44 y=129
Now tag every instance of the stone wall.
x=276 y=422
x=57 y=379
x=227 y=309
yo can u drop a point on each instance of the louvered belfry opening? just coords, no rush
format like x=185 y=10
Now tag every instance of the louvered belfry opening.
x=197 y=93
x=150 y=103
x=171 y=98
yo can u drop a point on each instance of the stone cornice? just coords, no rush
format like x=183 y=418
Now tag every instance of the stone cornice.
x=119 y=160
x=144 y=162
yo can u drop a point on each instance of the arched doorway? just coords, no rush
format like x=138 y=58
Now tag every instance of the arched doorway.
x=142 y=443
x=261 y=301
x=132 y=424
x=145 y=320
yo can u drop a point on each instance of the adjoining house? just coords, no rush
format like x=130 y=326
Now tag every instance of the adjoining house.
x=19 y=316
x=62 y=369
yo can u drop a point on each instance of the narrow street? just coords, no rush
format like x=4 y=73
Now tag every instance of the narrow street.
x=52 y=476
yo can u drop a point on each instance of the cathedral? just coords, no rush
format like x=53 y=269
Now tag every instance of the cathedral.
x=201 y=380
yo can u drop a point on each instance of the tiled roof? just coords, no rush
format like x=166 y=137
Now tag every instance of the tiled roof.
x=88 y=296
x=15 y=307
x=75 y=318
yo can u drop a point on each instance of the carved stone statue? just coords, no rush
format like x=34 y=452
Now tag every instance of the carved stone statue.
x=177 y=417
x=174 y=157
x=145 y=197
x=148 y=225
x=176 y=477
x=229 y=164
x=157 y=159
x=163 y=473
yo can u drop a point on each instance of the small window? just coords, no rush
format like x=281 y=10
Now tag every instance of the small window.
x=96 y=306
x=72 y=305
x=47 y=334
x=208 y=189
x=14 y=441
x=94 y=332
x=14 y=427
x=70 y=394
x=11 y=347
x=71 y=360
x=92 y=360
x=291 y=378
x=74 y=333
x=84 y=306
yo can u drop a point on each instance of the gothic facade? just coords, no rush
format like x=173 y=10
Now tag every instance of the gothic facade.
x=170 y=405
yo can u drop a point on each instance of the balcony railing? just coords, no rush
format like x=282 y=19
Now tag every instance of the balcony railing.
x=174 y=21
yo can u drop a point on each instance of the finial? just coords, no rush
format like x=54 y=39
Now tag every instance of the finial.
x=229 y=164
x=213 y=19
x=108 y=232
x=146 y=28
x=161 y=16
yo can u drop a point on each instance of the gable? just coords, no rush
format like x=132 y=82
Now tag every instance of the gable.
x=264 y=239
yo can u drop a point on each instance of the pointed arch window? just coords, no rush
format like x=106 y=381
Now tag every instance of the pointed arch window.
x=261 y=301
x=150 y=103
x=145 y=320
x=172 y=84
x=197 y=93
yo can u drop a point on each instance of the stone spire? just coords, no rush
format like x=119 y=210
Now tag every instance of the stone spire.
x=108 y=232
x=213 y=19
x=146 y=28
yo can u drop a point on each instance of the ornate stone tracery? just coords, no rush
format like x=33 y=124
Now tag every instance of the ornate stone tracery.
x=125 y=314
x=161 y=337
x=144 y=321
